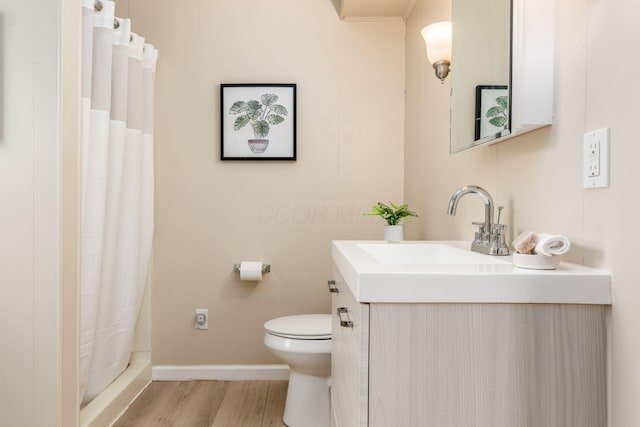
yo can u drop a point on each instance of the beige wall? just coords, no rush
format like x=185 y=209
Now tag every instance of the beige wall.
x=537 y=176
x=212 y=214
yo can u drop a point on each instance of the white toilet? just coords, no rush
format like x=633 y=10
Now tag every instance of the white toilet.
x=304 y=343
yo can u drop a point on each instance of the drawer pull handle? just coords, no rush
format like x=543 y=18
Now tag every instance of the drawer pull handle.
x=344 y=323
x=332 y=287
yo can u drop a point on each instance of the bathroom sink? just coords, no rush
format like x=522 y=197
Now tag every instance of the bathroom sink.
x=426 y=253
x=448 y=272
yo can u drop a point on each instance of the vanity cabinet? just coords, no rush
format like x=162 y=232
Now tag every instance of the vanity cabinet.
x=467 y=364
x=349 y=357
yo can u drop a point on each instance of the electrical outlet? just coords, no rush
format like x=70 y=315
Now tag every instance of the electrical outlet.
x=593 y=159
x=596 y=159
x=202 y=318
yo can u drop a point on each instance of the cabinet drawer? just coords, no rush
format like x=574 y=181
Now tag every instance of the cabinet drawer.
x=349 y=356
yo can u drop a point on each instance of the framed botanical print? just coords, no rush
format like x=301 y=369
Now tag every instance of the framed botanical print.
x=258 y=121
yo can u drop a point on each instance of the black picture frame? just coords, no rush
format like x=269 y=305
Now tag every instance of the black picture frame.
x=258 y=121
x=486 y=102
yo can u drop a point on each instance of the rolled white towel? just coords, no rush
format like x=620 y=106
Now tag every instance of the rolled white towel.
x=551 y=244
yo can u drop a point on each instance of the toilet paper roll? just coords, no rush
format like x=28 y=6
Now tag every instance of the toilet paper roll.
x=251 y=270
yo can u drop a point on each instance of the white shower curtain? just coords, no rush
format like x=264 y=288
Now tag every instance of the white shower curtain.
x=117 y=191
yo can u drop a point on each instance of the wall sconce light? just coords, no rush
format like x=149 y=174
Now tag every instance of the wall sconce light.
x=437 y=37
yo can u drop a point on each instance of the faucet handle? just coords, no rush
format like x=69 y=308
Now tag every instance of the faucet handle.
x=481 y=235
x=497 y=229
x=498 y=239
x=499 y=213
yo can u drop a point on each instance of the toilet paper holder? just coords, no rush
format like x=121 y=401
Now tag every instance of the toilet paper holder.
x=266 y=268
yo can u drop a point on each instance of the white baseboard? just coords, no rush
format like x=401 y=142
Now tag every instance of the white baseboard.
x=219 y=372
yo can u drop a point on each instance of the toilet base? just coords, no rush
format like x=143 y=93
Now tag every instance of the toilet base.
x=307 y=402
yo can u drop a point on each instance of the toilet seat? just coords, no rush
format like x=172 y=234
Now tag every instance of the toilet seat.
x=301 y=327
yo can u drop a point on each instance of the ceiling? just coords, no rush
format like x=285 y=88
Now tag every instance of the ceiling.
x=370 y=8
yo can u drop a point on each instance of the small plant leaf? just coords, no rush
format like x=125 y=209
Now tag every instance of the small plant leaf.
x=268 y=99
x=498 y=121
x=274 y=119
x=494 y=111
x=279 y=109
x=392 y=214
x=238 y=107
x=260 y=128
x=254 y=105
x=240 y=122
x=255 y=110
x=503 y=101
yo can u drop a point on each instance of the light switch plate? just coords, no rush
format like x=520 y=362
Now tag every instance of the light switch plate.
x=595 y=169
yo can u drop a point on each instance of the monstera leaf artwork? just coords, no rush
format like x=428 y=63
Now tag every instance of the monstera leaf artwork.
x=498 y=115
x=260 y=114
x=258 y=121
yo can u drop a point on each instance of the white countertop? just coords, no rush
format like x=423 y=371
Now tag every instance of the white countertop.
x=460 y=276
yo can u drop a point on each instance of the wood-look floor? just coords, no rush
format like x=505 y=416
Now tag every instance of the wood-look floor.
x=208 y=404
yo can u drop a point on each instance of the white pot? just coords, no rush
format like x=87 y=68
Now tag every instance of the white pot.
x=393 y=233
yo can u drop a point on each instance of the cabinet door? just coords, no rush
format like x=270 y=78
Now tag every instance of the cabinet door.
x=488 y=365
x=349 y=357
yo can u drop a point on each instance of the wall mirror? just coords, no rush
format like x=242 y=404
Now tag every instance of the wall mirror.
x=502 y=70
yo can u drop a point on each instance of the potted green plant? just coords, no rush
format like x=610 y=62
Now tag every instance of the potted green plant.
x=394 y=215
x=261 y=115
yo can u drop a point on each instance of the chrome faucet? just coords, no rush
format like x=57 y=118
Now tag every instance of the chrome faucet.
x=489 y=239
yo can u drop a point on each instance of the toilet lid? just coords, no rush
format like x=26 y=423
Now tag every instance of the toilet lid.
x=304 y=326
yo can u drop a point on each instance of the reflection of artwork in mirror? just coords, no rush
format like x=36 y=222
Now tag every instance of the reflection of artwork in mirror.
x=492 y=112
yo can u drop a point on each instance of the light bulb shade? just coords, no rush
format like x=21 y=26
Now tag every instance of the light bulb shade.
x=437 y=38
